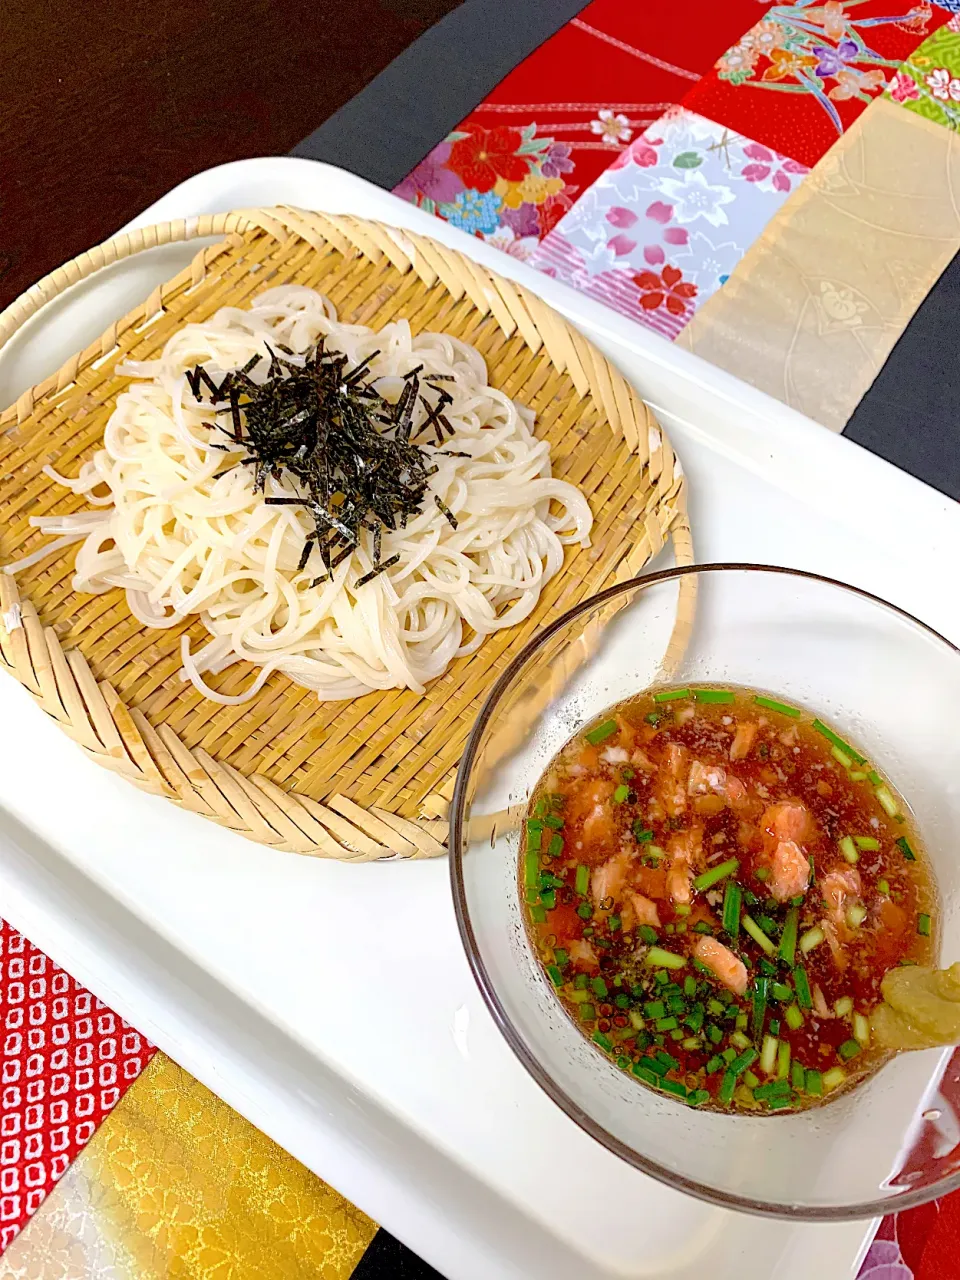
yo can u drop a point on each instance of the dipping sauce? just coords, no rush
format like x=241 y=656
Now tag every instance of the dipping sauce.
x=715 y=883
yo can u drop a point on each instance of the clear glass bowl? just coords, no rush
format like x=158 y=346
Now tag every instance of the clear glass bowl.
x=891 y=686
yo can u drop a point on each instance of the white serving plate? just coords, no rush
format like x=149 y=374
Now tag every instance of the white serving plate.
x=331 y=1004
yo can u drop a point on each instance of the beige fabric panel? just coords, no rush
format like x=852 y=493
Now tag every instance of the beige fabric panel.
x=816 y=305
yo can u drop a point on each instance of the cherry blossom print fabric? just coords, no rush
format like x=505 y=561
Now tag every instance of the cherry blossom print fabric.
x=664 y=227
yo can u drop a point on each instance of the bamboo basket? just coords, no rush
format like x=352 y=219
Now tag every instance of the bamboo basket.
x=365 y=779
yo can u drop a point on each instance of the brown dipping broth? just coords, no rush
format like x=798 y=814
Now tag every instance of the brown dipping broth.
x=647 y=799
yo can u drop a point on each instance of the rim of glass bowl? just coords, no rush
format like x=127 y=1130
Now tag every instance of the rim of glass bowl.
x=726 y=1200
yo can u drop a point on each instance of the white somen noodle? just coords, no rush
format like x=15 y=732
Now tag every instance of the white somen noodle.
x=184 y=532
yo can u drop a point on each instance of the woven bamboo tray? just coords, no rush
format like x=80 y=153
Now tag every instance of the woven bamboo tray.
x=358 y=780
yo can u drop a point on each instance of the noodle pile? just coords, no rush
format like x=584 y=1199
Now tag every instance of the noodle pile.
x=181 y=527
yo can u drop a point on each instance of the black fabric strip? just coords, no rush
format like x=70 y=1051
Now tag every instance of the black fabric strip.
x=911 y=414
x=387 y=1259
x=389 y=127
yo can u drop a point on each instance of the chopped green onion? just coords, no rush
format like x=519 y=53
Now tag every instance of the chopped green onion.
x=628 y=774
x=647 y=933
x=875 y=778
x=856 y=914
x=698 y=1097
x=802 y=986
x=746 y=1059
x=841 y=757
x=555 y=847
x=814 y=1084
x=643 y=1072
x=669 y=959
x=675 y=1087
x=727 y=1088
x=540 y=808
x=849 y=1049
x=834 y=1078
x=641 y=833
x=713 y=1065
x=666 y=1024
x=671 y=695
x=599 y=988
x=584 y=911
x=652 y=718
x=622 y=1002
x=549 y=898
x=636 y=1019
x=740 y=1040
x=757 y=934
x=768 y=1055
x=838 y=742
x=732 y=899
x=742 y=1022
x=883 y=886
x=812 y=938
x=788 y=939
x=762 y=873
x=728 y=1055
x=886 y=801
x=613 y=923
x=844 y=1006
x=780 y=991
x=552 y=820
x=548 y=881
x=531 y=870
x=793 y=1017
x=715 y=1034
x=539 y=914
x=694 y=1018
x=602 y=731
x=923 y=925
x=714 y=1007
x=861 y=1029
x=560 y=955
x=579 y=996
x=716 y=874
x=683 y=909
x=750 y=1080
x=774 y=1026
x=798 y=1077
x=582 y=883
x=691 y=1042
x=759 y=1005
x=849 y=849
x=621 y=793
x=772 y=705
x=783 y=1060
x=556 y=977
x=714 y=695
x=603 y=1041
x=857 y=775
x=903 y=844
x=587 y=1012
x=580 y=981
x=869 y=843
x=689 y=985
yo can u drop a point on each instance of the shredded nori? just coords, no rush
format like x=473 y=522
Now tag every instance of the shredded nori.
x=346 y=449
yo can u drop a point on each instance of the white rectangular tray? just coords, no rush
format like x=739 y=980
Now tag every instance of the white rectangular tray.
x=331 y=1004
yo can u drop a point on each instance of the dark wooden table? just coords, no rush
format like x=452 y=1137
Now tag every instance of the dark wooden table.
x=104 y=106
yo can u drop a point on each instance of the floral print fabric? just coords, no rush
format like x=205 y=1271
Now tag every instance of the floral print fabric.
x=928 y=83
x=665 y=226
x=516 y=164
x=800 y=76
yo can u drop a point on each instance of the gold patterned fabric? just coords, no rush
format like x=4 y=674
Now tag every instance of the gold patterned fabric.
x=175 y=1185
x=814 y=308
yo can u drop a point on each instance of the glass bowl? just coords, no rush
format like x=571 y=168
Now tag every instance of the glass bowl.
x=891 y=686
